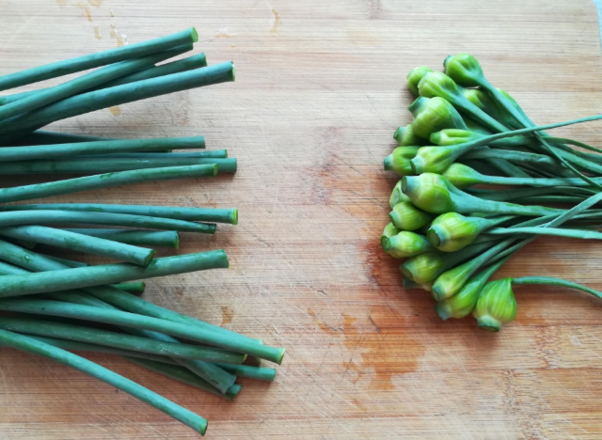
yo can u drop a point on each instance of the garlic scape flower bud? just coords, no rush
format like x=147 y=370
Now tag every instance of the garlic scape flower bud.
x=414 y=77
x=405 y=136
x=453 y=136
x=451 y=231
x=463 y=303
x=424 y=268
x=464 y=69
x=462 y=176
x=432 y=115
x=397 y=196
x=496 y=305
x=406 y=244
x=428 y=191
x=407 y=217
x=433 y=159
x=399 y=160
x=438 y=84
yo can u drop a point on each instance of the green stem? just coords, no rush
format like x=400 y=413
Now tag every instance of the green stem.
x=30 y=345
x=44 y=282
x=133 y=287
x=89 y=61
x=518 y=156
x=41 y=98
x=42 y=216
x=82 y=243
x=215 y=215
x=249 y=372
x=213 y=154
x=91 y=101
x=183 y=65
x=183 y=375
x=107 y=294
x=127 y=319
x=69 y=186
x=135 y=237
x=95 y=165
x=45 y=152
x=43 y=137
x=556 y=282
x=571 y=233
x=119 y=340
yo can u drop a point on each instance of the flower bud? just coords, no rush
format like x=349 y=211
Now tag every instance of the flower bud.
x=414 y=77
x=409 y=284
x=451 y=231
x=399 y=160
x=397 y=196
x=453 y=136
x=406 y=244
x=405 y=136
x=434 y=115
x=452 y=281
x=423 y=268
x=464 y=69
x=390 y=231
x=462 y=176
x=428 y=192
x=432 y=160
x=480 y=99
x=407 y=217
x=462 y=303
x=496 y=305
x=438 y=84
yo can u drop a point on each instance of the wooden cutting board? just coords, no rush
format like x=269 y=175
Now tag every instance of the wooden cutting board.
x=319 y=92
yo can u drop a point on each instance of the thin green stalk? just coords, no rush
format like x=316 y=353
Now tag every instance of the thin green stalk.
x=249 y=372
x=212 y=154
x=119 y=340
x=82 y=243
x=87 y=102
x=216 y=376
x=45 y=152
x=135 y=237
x=69 y=186
x=44 y=137
x=570 y=233
x=133 y=287
x=183 y=375
x=519 y=156
x=30 y=345
x=214 y=215
x=107 y=294
x=86 y=165
x=549 y=281
x=127 y=319
x=183 y=65
x=44 y=282
x=41 y=98
x=71 y=345
x=90 y=61
x=41 y=216
x=513 y=194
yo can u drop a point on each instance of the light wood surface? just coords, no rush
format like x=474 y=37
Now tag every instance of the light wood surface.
x=319 y=92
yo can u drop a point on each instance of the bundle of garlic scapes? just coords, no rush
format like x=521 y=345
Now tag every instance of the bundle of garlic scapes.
x=455 y=235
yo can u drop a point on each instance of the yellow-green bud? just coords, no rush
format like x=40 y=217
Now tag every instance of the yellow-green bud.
x=453 y=136
x=423 y=268
x=409 y=284
x=414 y=77
x=496 y=305
x=438 y=84
x=434 y=115
x=399 y=160
x=451 y=281
x=405 y=136
x=463 y=303
x=406 y=244
x=397 y=196
x=451 y=231
x=465 y=70
x=390 y=231
x=432 y=159
x=480 y=99
x=428 y=192
x=407 y=217
x=462 y=176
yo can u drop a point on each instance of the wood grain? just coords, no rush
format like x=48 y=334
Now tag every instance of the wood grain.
x=319 y=92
